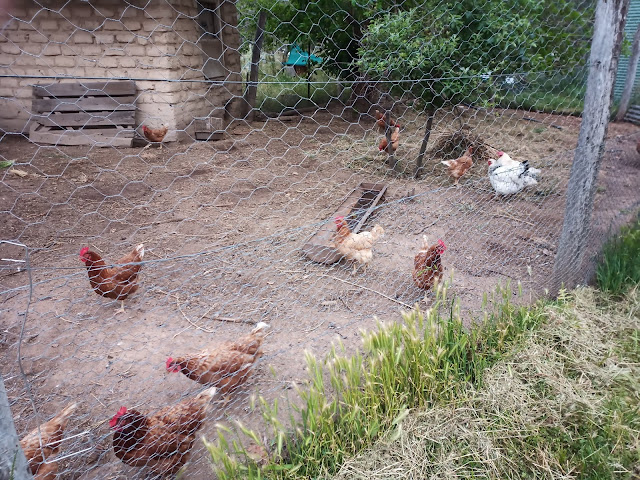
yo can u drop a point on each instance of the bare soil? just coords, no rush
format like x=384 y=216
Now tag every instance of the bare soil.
x=223 y=224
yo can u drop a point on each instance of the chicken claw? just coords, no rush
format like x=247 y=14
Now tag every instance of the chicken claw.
x=121 y=309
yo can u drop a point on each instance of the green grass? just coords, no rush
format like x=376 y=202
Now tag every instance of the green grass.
x=562 y=404
x=560 y=94
x=541 y=392
x=619 y=267
x=569 y=102
x=349 y=401
x=278 y=90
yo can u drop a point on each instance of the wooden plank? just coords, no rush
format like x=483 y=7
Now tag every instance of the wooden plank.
x=209 y=136
x=575 y=238
x=125 y=118
x=114 y=88
x=360 y=202
x=98 y=137
x=83 y=104
x=376 y=193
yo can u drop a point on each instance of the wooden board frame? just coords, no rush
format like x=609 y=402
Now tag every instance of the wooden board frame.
x=84 y=113
x=356 y=207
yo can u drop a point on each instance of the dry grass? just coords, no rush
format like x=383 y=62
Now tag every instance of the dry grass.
x=451 y=145
x=564 y=406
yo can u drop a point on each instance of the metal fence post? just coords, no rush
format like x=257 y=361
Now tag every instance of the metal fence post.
x=603 y=62
x=13 y=464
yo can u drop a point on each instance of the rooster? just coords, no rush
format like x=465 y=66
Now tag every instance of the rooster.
x=40 y=454
x=356 y=247
x=458 y=167
x=154 y=135
x=161 y=441
x=225 y=367
x=380 y=121
x=510 y=179
x=504 y=160
x=395 y=141
x=116 y=282
x=427 y=265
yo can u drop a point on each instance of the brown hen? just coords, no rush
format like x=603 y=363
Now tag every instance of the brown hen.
x=226 y=366
x=458 y=167
x=117 y=282
x=51 y=434
x=154 y=135
x=160 y=442
x=427 y=265
x=380 y=121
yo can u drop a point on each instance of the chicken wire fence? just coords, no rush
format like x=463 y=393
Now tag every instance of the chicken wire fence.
x=237 y=208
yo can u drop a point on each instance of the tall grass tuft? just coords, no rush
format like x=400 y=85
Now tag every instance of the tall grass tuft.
x=350 y=400
x=620 y=265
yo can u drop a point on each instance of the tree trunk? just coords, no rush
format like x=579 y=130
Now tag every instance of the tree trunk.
x=631 y=77
x=423 y=147
x=252 y=87
x=13 y=464
x=603 y=62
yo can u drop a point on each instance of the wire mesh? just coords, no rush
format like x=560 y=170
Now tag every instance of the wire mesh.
x=226 y=207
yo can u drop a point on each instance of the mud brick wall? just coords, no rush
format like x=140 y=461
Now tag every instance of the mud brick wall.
x=155 y=40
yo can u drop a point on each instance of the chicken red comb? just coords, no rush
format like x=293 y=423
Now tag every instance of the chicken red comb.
x=114 y=421
x=442 y=245
x=169 y=366
x=83 y=252
x=339 y=219
x=500 y=153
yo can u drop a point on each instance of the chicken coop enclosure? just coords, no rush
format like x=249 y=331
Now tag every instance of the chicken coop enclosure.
x=402 y=87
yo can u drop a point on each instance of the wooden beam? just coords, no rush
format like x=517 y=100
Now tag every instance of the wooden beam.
x=79 y=89
x=104 y=137
x=13 y=463
x=423 y=148
x=83 y=104
x=603 y=63
x=124 y=118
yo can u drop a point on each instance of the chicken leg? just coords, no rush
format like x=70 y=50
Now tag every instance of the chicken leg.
x=121 y=309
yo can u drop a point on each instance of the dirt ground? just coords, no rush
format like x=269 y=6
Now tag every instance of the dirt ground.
x=223 y=224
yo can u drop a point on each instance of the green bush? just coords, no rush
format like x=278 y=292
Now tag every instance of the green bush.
x=454 y=55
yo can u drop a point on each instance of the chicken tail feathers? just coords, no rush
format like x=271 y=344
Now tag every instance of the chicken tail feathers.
x=425 y=243
x=377 y=231
x=140 y=250
x=259 y=327
x=447 y=162
x=68 y=410
x=209 y=393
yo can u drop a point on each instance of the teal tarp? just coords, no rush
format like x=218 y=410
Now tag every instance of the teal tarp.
x=298 y=57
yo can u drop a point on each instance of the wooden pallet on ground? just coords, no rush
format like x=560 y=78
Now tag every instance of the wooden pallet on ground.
x=356 y=208
x=100 y=114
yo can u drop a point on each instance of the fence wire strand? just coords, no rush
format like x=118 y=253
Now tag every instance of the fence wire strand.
x=236 y=203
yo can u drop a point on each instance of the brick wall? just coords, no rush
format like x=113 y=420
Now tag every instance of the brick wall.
x=139 y=39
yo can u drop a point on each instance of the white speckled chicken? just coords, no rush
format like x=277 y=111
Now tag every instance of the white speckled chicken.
x=356 y=247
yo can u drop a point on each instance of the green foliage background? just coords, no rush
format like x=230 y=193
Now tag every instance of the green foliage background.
x=439 y=51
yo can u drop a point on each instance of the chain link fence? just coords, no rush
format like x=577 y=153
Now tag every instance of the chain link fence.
x=277 y=114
